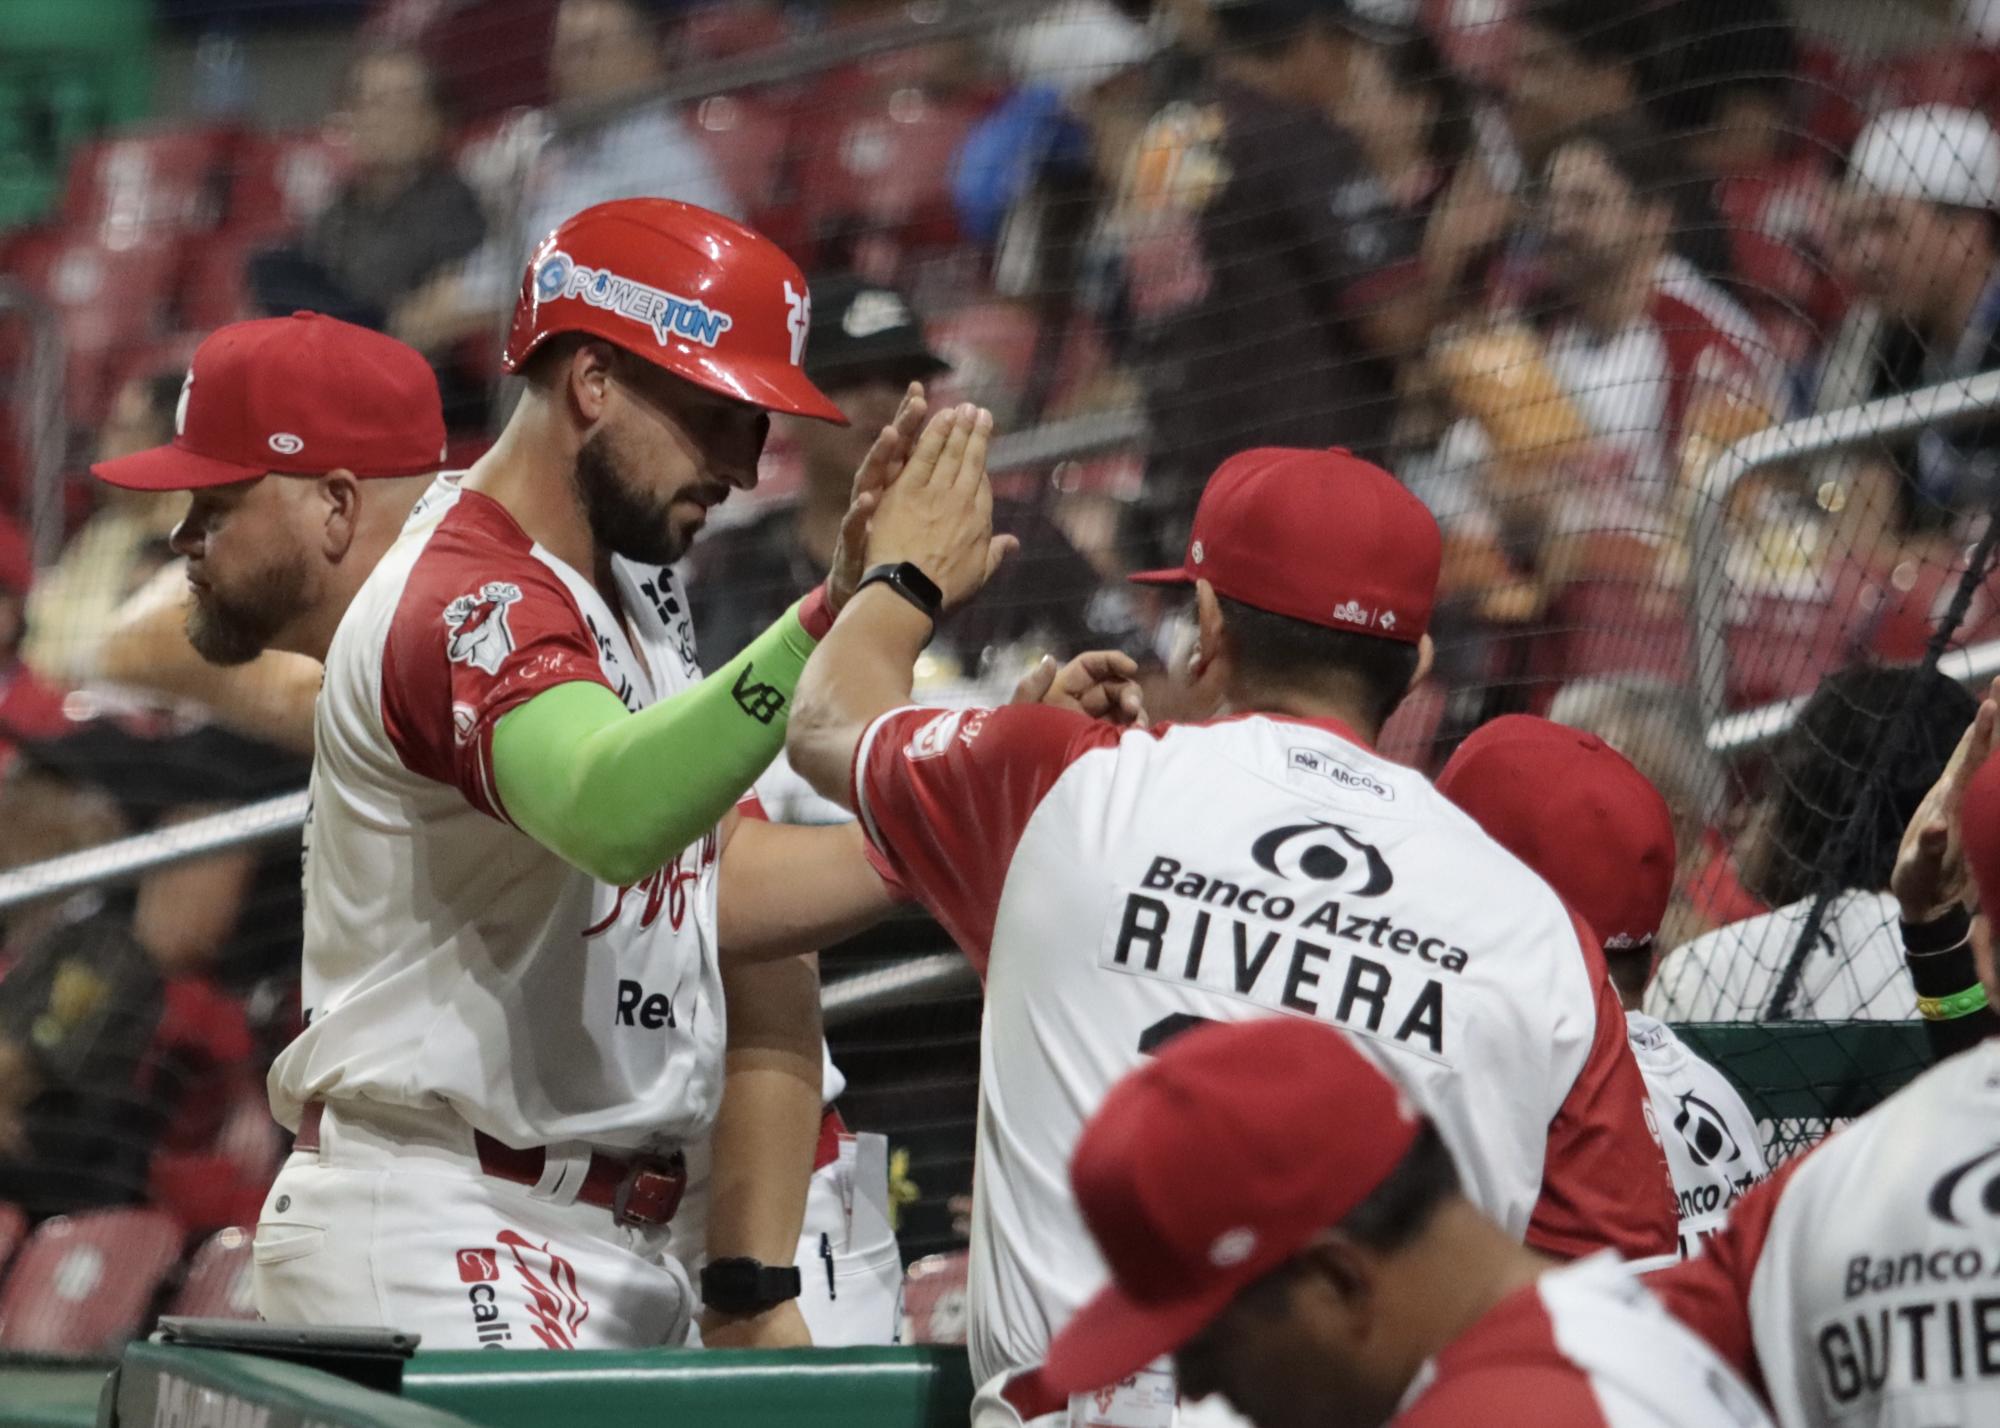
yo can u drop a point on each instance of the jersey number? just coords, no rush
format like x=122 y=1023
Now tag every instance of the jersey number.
x=1166 y=1029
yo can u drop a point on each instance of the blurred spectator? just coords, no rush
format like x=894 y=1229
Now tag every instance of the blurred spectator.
x=116 y=549
x=1238 y=264
x=866 y=346
x=1642 y=368
x=116 y=1003
x=1582 y=62
x=608 y=141
x=1871 y=739
x=401 y=219
x=1917 y=236
x=1729 y=70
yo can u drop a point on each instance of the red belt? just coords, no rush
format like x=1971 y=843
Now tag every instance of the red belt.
x=645 y=1190
x=831 y=1129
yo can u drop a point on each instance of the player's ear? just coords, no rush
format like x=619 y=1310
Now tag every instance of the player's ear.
x=591 y=368
x=1426 y=658
x=1208 y=631
x=339 y=493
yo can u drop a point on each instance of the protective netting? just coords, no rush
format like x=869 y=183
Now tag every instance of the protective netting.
x=1548 y=262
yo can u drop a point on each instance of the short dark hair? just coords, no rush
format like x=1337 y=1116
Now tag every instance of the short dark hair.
x=1409 y=1197
x=1277 y=649
x=1603 y=32
x=1890 y=726
x=163 y=396
x=1638 y=153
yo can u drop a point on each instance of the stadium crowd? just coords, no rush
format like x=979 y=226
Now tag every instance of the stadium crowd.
x=1543 y=270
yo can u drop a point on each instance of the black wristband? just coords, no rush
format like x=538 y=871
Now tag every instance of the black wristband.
x=741 y=1285
x=1940 y=934
x=908 y=580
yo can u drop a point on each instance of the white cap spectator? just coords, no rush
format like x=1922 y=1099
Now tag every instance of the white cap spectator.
x=1934 y=152
x=1075 y=44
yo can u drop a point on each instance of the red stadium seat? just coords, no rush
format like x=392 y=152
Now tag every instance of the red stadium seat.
x=218 y=1279
x=109 y=300
x=85 y=1283
x=213 y=289
x=885 y=167
x=934 y=1300
x=747 y=140
x=281 y=183
x=728 y=28
x=138 y=185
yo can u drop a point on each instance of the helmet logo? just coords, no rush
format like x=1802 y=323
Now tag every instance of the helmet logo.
x=798 y=320
x=666 y=315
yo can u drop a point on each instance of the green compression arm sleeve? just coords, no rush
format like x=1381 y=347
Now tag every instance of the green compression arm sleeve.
x=620 y=794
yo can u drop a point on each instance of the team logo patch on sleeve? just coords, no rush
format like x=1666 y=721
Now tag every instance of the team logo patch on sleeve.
x=480 y=634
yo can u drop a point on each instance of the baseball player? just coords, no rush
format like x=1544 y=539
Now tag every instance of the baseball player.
x=522 y=858
x=1856 y=1286
x=1115 y=886
x=1574 y=810
x=1345 y=1278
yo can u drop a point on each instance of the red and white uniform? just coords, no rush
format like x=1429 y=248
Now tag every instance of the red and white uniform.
x=1714 y=1151
x=1583 y=1347
x=1860 y=1285
x=1115 y=888
x=461 y=977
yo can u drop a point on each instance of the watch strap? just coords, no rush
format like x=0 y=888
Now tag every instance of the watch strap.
x=908 y=580
x=741 y=1285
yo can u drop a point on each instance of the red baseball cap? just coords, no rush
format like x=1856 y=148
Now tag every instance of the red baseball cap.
x=299 y=396
x=1979 y=820
x=1575 y=810
x=1321 y=536
x=1201 y=1174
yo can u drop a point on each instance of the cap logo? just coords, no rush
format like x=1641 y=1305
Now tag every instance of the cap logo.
x=872 y=312
x=181 y=406
x=798 y=320
x=666 y=315
x=1196 y=551
x=1388 y=620
x=286 y=444
x=1232 y=1247
x=1353 y=613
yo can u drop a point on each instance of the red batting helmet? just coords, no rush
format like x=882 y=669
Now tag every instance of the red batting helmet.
x=688 y=290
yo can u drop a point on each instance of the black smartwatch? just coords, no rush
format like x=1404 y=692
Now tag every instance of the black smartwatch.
x=747 y=1286
x=909 y=581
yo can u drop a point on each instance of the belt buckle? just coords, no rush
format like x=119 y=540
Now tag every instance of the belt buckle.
x=650 y=1191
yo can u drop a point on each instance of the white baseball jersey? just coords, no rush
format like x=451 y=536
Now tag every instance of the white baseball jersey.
x=451 y=960
x=1862 y=1281
x=1854 y=970
x=1583 y=1347
x=1114 y=889
x=1713 y=1148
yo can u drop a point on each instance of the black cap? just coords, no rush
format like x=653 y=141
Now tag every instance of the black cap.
x=862 y=329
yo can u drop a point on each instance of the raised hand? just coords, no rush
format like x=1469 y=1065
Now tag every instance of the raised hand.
x=1101 y=683
x=880 y=467
x=1930 y=876
x=938 y=513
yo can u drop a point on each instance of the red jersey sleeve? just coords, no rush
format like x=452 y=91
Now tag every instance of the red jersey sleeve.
x=1605 y=1181
x=944 y=795
x=478 y=632
x=1711 y=1292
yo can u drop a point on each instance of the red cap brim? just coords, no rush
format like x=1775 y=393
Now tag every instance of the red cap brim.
x=1115 y=1335
x=1175 y=576
x=169 y=468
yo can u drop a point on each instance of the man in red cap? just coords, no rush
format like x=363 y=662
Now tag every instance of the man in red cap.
x=1856 y=1285
x=1317 y=1276
x=1579 y=814
x=517 y=914
x=1116 y=886
x=303 y=441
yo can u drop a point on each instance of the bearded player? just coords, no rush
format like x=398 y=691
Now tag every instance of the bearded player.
x=521 y=820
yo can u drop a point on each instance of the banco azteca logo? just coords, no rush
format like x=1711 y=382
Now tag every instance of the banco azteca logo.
x=1701 y=1126
x=1968 y=1190
x=1311 y=850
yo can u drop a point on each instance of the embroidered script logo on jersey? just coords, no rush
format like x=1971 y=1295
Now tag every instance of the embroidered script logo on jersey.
x=1320 y=860
x=1949 y=1199
x=480 y=634
x=1701 y=1126
x=666 y=315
